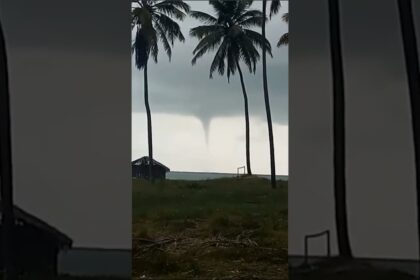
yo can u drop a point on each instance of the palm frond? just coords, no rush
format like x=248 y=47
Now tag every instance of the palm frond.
x=164 y=39
x=248 y=14
x=171 y=27
x=252 y=22
x=284 y=40
x=153 y=44
x=168 y=8
x=207 y=44
x=258 y=40
x=179 y=4
x=219 y=59
x=232 y=58
x=205 y=30
x=241 y=7
x=274 y=7
x=172 y=12
x=220 y=8
x=285 y=17
x=249 y=54
x=203 y=17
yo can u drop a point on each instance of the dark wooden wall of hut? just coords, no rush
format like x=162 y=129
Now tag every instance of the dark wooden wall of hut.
x=36 y=251
x=142 y=172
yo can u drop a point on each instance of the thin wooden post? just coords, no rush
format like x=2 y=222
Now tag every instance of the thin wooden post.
x=327 y=234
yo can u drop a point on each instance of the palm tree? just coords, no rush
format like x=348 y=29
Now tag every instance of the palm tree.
x=338 y=131
x=274 y=8
x=6 y=165
x=413 y=75
x=284 y=39
x=229 y=33
x=153 y=21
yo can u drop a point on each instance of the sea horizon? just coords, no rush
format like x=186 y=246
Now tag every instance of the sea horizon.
x=198 y=176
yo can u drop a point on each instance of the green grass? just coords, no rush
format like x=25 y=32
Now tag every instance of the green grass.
x=235 y=228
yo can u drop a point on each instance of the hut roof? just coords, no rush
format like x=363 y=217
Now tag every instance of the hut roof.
x=145 y=161
x=25 y=217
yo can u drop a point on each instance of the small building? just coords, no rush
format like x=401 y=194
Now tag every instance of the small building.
x=140 y=169
x=36 y=245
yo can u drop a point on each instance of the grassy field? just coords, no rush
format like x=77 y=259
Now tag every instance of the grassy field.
x=214 y=229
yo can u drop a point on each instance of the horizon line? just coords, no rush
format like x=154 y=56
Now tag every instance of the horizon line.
x=217 y=172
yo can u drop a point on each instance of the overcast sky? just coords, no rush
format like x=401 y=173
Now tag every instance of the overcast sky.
x=380 y=162
x=198 y=123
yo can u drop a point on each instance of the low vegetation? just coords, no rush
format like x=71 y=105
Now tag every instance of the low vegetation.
x=215 y=229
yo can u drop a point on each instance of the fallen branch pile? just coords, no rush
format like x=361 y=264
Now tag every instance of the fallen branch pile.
x=179 y=243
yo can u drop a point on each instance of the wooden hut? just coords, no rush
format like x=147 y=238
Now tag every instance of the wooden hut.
x=140 y=169
x=36 y=245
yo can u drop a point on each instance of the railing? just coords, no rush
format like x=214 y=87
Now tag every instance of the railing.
x=237 y=171
x=307 y=237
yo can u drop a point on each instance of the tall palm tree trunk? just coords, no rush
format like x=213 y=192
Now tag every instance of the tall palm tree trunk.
x=339 y=132
x=248 y=157
x=267 y=101
x=6 y=182
x=149 y=123
x=413 y=75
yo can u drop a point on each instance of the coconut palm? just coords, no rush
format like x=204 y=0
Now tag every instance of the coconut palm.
x=229 y=32
x=153 y=21
x=274 y=8
x=284 y=39
x=338 y=131
x=413 y=74
x=6 y=165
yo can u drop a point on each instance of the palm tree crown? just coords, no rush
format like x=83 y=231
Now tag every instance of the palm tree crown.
x=153 y=22
x=229 y=33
